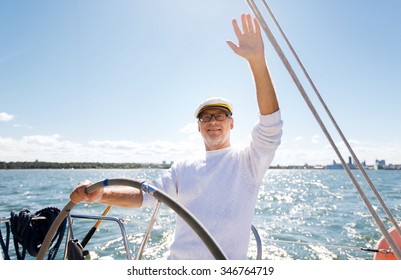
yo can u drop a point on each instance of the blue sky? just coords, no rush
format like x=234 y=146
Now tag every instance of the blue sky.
x=118 y=81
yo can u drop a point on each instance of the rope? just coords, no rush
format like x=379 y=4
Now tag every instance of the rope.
x=283 y=58
x=43 y=227
x=4 y=246
x=29 y=233
x=21 y=231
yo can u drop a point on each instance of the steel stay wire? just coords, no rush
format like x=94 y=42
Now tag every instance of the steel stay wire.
x=356 y=160
x=279 y=51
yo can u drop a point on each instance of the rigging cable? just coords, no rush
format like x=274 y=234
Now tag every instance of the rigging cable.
x=269 y=34
x=326 y=108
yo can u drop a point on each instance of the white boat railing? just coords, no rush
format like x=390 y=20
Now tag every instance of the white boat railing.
x=123 y=231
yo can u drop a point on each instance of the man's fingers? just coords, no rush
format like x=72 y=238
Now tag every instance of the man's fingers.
x=79 y=192
x=233 y=46
x=244 y=23
x=236 y=28
x=257 y=26
x=250 y=23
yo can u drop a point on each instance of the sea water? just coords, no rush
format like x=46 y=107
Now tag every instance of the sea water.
x=300 y=214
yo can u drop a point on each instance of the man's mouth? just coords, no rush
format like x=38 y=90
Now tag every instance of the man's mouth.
x=213 y=129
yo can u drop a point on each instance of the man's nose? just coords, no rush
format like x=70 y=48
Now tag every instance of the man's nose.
x=213 y=118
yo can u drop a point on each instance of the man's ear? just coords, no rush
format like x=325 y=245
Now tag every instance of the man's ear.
x=232 y=124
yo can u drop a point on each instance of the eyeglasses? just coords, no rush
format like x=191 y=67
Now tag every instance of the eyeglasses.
x=218 y=117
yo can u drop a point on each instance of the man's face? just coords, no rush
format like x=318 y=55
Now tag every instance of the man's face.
x=215 y=133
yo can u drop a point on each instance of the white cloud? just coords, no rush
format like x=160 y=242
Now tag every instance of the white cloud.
x=4 y=117
x=56 y=148
x=191 y=131
x=18 y=125
x=44 y=140
x=121 y=145
x=292 y=154
x=316 y=139
x=41 y=147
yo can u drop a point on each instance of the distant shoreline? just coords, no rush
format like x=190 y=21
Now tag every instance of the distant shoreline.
x=80 y=165
x=125 y=165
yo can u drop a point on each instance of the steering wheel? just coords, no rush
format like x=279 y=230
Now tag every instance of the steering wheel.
x=161 y=196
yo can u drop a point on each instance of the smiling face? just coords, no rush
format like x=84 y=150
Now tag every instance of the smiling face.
x=216 y=134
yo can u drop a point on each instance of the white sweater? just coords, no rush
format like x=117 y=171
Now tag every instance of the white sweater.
x=221 y=191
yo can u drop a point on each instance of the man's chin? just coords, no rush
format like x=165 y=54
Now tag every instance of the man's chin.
x=215 y=144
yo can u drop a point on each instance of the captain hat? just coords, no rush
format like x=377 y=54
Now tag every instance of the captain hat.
x=214 y=103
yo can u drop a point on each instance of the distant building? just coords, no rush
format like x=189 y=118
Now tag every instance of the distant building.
x=350 y=164
x=334 y=165
x=165 y=163
x=380 y=164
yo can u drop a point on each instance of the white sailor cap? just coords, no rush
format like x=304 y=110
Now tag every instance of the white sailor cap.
x=214 y=102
